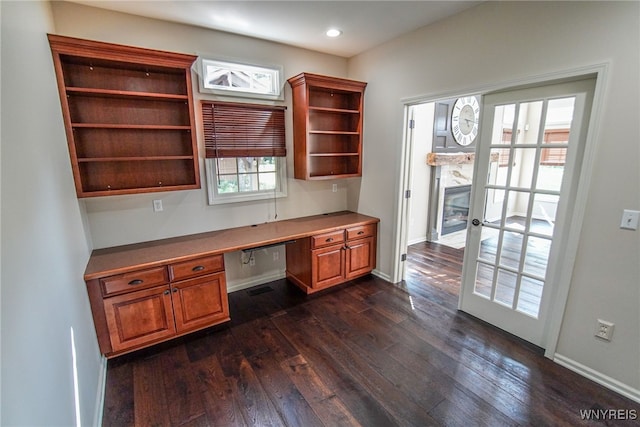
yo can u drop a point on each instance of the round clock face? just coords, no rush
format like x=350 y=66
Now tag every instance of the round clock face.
x=464 y=120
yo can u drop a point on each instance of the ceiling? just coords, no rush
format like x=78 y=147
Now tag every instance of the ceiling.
x=364 y=24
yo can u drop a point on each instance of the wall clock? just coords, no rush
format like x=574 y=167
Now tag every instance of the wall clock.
x=464 y=120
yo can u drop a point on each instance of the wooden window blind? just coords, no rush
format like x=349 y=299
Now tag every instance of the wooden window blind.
x=554 y=156
x=243 y=130
x=503 y=159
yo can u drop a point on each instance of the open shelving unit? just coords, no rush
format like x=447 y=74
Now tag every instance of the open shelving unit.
x=327 y=120
x=128 y=115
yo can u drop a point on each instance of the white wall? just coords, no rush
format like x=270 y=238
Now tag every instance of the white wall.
x=125 y=219
x=420 y=172
x=504 y=41
x=44 y=250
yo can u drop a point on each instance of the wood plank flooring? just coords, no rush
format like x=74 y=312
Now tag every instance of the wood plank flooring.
x=369 y=353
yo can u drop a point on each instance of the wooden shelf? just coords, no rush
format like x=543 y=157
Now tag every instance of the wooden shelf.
x=128 y=115
x=334 y=110
x=132 y=159
x=128 y=126
x=332 y=154
x=327 y=121
x=109 y=93
x=334 y=132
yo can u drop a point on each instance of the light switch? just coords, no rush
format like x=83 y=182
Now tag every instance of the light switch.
x=630 y=219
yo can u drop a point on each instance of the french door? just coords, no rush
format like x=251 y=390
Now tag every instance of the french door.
x=528 y=161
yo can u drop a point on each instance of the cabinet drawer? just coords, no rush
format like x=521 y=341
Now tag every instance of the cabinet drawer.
x=361 y=231
x=134 y=280
x=326 y=239
x=196 y=267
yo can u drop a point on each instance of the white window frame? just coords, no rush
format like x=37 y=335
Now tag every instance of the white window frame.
x=215 y=198
x=276 y=71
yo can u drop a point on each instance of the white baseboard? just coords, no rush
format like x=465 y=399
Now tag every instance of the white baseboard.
x=381 y=275
x=100 y=392
x=240 y=284
x=416 y=241
x=600 y=378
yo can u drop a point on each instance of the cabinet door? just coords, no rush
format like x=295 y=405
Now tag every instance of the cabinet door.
x=327 y=266
x=360 y=257
x=200 y=302
x=139 y=317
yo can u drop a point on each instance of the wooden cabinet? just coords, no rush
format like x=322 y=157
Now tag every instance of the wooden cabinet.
x=139 y=317
x=332 y=258
x=201 y=300
x=144 y=307
x=128 y=115
x=327 y=126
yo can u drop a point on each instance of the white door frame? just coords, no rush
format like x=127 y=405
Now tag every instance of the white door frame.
x=576 y=217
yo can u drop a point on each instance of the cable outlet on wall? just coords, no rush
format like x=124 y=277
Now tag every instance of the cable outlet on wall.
x=604 y=330
x=157 y=205
x=630 y=219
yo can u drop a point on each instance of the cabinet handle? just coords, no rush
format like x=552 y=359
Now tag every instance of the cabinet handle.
x=198 y=268
x=167 y=292
x=136 y=282
x=330 y=239
x=360 y=233
x=175 y=290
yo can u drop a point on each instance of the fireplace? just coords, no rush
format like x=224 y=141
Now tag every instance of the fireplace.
x=455 y=208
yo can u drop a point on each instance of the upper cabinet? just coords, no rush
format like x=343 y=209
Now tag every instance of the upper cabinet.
x=128 y=115
x=327 y=126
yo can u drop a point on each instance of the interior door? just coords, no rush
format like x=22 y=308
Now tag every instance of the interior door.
x=528 y=159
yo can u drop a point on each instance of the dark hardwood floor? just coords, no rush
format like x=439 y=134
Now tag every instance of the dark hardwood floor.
x=369 y=353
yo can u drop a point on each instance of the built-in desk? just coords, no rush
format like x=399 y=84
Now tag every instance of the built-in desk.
x=146 y=293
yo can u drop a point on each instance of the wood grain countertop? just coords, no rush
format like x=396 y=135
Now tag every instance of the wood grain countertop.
x=122 y=259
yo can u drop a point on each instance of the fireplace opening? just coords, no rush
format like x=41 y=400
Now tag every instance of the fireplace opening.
x=455 y=208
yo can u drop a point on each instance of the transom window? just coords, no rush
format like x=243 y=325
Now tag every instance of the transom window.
x=235 y=79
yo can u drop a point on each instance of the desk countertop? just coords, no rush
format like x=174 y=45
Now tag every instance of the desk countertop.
x=122 y=259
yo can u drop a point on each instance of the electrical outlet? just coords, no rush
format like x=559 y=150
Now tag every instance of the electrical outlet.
x=157 y=205
x=630 y=219
x=604 y=330
x=334 y=188
x=276 y=255
x=252 y=261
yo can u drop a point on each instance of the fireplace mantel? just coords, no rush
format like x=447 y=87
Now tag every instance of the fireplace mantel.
x=442 y=159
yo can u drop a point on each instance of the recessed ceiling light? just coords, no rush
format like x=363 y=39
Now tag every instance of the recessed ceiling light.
x=333 y=32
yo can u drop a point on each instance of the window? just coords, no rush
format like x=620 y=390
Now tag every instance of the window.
x=245 y=150
x=241 y=179
x=234 y=79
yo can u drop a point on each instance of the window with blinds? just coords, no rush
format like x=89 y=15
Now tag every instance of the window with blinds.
x=241 y=130
x=245 y=151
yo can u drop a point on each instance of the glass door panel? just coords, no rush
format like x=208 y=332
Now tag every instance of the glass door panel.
x=523 y=148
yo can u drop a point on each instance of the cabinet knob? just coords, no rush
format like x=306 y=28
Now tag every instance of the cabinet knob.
x=136 y=282
x=330 y=239
x=360 y=233
x=175 y=290
x=198 y=268
x=167 y=292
